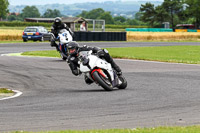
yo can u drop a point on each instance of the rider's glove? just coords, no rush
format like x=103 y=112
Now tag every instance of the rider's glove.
x=76 y=72
x=100 y=53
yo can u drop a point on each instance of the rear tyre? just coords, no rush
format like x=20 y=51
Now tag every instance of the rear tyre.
x=124 y=82
x=25 y=40
x=105 y=83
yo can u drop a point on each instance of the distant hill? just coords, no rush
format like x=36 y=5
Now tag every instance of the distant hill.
x=117 y=8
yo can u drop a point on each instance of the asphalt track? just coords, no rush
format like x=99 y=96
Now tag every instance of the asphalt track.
x=158 y=94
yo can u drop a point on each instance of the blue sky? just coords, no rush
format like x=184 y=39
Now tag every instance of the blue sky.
x=43 y=2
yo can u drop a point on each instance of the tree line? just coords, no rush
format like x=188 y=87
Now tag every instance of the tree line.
x=99 y=13
x=33 y=12
x=27 y=12
x=173 y=11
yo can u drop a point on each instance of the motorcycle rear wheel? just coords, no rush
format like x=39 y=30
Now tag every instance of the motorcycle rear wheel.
x=107 y=85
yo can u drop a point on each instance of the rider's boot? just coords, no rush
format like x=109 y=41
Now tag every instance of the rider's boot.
x=88 y=81
x=53 y=43
x=57 y=48
x=109 y=59
x=116 y=67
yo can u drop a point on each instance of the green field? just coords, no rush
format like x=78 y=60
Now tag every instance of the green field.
x=176 y=54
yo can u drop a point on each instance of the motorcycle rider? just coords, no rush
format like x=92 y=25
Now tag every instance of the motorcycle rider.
x=56 y=27
x=74 y=49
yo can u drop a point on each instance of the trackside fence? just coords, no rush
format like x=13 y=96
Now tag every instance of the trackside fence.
x=100 y=36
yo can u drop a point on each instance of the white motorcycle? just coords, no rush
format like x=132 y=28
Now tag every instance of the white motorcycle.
x=100 y=71
x=64 y=37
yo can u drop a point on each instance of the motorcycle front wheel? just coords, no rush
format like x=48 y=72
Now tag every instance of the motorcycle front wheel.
x=124 y=82
x=103 y=82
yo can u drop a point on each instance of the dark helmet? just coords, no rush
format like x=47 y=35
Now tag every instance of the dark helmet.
x=57 y=20
x=73 y=48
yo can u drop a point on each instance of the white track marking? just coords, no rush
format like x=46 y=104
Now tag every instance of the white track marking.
x=18 y=93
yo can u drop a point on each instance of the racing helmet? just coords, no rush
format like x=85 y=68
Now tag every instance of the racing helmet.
x=73 y=48
x=58 y=21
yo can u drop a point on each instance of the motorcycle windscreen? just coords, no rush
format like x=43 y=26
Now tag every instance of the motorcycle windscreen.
x=84 y=68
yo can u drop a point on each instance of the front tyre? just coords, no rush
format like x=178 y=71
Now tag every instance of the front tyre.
x=103 y=82
x=124 y=82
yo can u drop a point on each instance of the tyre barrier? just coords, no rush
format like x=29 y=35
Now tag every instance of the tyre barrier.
x=100 y=36
x=94 y=36
x=47 y=37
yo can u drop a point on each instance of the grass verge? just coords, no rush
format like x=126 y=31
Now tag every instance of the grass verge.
x=175 y=54
x=46 y=53
x=190 y=129
x=5 y=90
x=21 y=41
